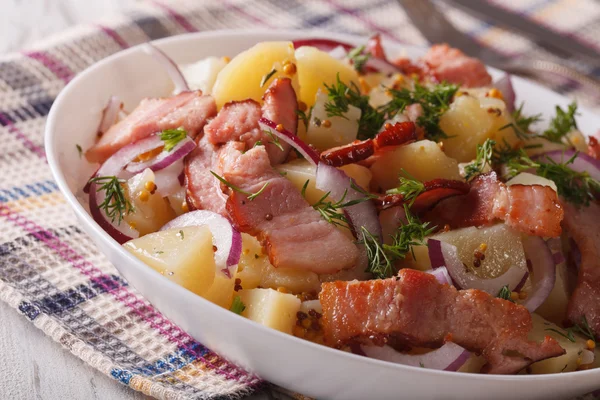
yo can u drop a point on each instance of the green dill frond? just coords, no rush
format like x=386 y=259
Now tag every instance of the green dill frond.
x=172 y=137
x=116 y=204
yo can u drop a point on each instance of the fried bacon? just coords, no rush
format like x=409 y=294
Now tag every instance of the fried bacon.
x=418 y=311
x=435 y=191
x=392 y=135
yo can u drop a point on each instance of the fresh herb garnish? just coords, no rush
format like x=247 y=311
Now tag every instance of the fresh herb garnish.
x=358 y=58
x=274 y=140
x=504 y=293
x=341 y=96
x=304 y=116
x=577 y=187
x=268 y=76
x=522 y=124
x=180 y=234
x=583 y=329
x=237 y=306
x=435 y=102
x=79 y=150
x=251 y=196
x=562 y=123
x=333 y=212
x=483 y=159
x=382 y=256
x=115 y=204
x=172 y=136
x=409 y=188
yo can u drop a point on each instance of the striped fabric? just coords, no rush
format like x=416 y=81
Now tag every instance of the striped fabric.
x=53 y=274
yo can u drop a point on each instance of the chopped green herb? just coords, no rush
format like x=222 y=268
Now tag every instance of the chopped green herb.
x=115 y=204
x=333 y=212
x=172 y=136
x=435 y=102
x=522 y=124
x=409 y=188
x=341 y=96
x=79 y=150
x=577 y=187
x=304 y=117
x=258 y=143
x=180 y=233
x=562 y=123
x=268 y=76
x=504 y=293
x=421 y=364
x=358 y=58
x=237 y=306
x=568 y=334
x=159 y=252
x=274 y=140
x=251 y=196
x=303 y=191
x=483 y=159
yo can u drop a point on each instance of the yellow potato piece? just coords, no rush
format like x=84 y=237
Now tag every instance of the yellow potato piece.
x=317 y=68
x=424 y=160
x=241 y=78
x=271 y=308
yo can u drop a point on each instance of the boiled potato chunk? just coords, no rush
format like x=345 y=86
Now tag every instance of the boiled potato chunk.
x=338 y=131
x=255 y=270
x=565 y=363
x=316 y=69
x=424 y=160
x=361 y=175
x=202 y=75
x=270 y=308
x=150 y=210
x=470 y=121
x=242 y=76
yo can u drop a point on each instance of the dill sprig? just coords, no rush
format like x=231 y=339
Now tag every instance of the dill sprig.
x=340 y=96
x=409 y=187
x=304 y=116
x=483 y=159
x=237 y=305
x=562 y=123
x=79 y=150
x=267 y=76
x=358 y=58
x=115 y=204
x=504 y=293
x=522 y=123
x=435 y=101
x=172 y=136
x=577 y=187
x=274 y=140
x=583 y=329
x=251 y=196
x=383 y=256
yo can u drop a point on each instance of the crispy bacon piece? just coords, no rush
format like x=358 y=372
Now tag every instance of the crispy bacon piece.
x=435 y=191
x=452 y=65
x=532 y=209
x=594 y=147
x=392 y=135
x=375 y=48
x=189 y=110
x=238 y=120
x=583 y=225
x=418 y=311
x=293 y=233
x=203 y=190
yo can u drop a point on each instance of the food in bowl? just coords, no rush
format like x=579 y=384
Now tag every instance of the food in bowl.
x=403 y=210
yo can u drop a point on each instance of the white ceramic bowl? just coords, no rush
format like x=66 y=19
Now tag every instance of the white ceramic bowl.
x=296 y=364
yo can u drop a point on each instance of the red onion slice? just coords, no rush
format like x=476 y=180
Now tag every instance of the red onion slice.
x=382 y=65
x=582 y=163
x=336 y=182
x=504 y=85
x=543 y=271
x=449 y=357
x=110 y=114
x=226 y=238
x=169 y=65
x=307 y=152
x=442 y=275
x=120 y=232
x=444 y=254
x=165 y=158
x=339 y=53
x=322 y=44
x=167 y=180
x=555 y=246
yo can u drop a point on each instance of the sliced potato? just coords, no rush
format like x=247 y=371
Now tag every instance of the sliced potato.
x=150 y=210
x=242 y=76
x=361 y=175
x=270 y=308
x=316 y=69
x=325 y=132
x=470 y=121
x=424 y=160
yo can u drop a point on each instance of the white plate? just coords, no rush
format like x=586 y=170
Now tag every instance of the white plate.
x=296 y=364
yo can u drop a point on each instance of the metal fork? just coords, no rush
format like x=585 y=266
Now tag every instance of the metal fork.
x=436 y=28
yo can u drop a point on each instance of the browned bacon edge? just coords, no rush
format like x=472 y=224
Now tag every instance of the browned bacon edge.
x=392 y=135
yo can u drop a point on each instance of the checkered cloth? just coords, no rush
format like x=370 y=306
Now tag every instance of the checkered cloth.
x=53 y=274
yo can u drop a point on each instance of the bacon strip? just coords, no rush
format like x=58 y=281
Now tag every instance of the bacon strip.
x=531 y=209
x=418 y=311
x=594 y=147
x=435 y=191
x=583 y=225
x=393 y=135
x=293 y=233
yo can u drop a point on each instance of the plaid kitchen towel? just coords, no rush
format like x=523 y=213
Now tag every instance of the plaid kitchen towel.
x=53 y=274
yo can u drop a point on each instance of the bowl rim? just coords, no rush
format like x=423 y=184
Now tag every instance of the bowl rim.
x=51 y=133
